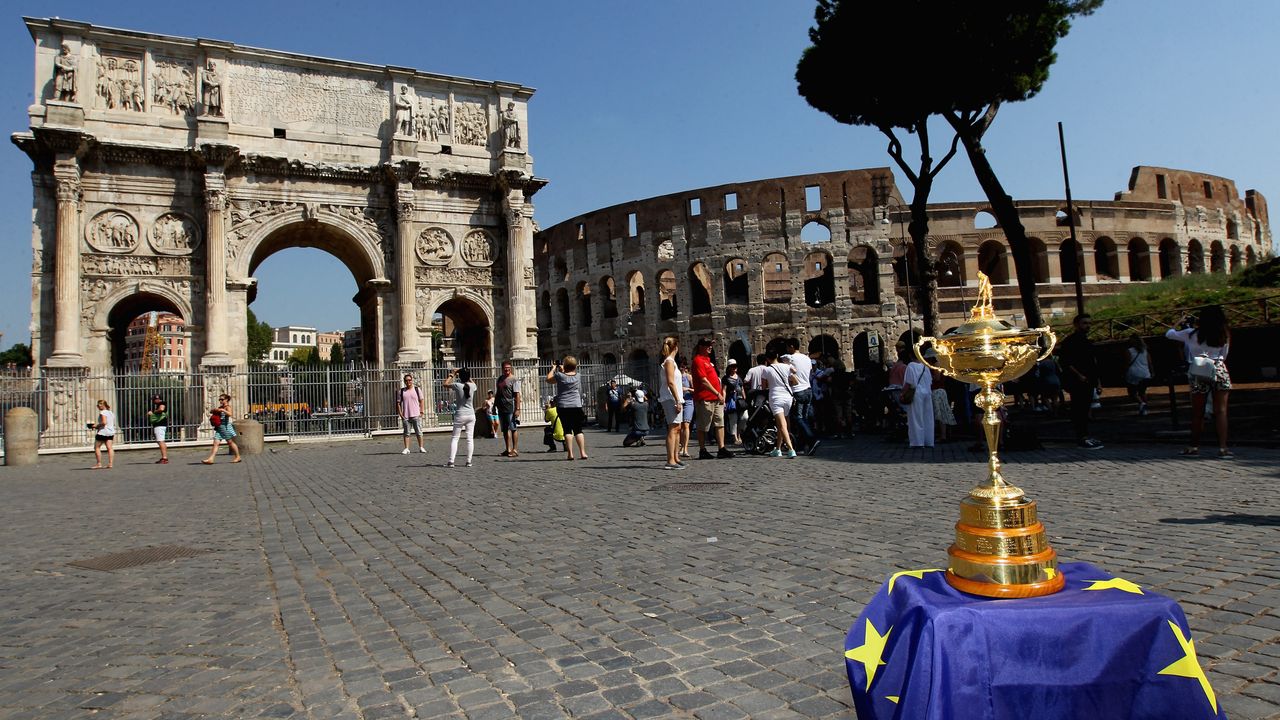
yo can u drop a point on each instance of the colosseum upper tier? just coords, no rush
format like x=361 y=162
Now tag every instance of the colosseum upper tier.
x=825 y=258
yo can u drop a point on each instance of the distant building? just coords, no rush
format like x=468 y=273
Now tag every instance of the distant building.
x=287 y=339
x=326 y=340
x=353 y=345
x=169 y=354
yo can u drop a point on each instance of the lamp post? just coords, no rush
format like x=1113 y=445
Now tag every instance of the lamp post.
x=906 y=255
x=952 y=269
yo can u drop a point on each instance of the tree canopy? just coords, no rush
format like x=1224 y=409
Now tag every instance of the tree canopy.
x=18 y=355
x=260 y=337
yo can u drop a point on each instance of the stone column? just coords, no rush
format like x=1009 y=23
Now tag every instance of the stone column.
x=521 y=299
x=67 y=351
x=215 y=321
x=407 y=309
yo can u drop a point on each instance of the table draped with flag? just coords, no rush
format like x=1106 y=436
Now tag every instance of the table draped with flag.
x=1103 y=647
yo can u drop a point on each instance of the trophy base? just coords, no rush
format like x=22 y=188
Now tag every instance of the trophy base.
x=1007 y=592
x=1000 y=551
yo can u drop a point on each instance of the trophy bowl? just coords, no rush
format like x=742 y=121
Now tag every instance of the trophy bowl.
x=1000 y=548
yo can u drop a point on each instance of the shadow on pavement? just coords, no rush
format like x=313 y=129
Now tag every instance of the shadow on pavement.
x=1229 y=519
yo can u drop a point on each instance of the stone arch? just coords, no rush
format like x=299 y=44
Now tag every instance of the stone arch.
x=129 y=300
x=583 y=297
x=667 y=306
x=1249 y=257
x=824 y=345
x=1217 y=257
x=1195 y=256
x=737 y=288
x=699 y=289
x=562 y=310
x=1106 y=259
x=819 y=279
x=862 y=350
x=635 y=291
x=350 y=242
x=467 y=330
x=1233 y=230
x=559 y=270
x=814 y=232
x=777 y=278
x=984 y=220
x=1170 y=258
x=993 y=259
x=1039 y=260
x=738 y=351
x=1234 y=258
x=864 y=275
x=545 y=320
x=950 y=264
x=1139 y=260
x=609 y=296
x=1071 y=260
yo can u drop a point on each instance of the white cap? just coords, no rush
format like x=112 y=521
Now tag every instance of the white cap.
x=785 y=357
x=639 y=396
x=731 y=362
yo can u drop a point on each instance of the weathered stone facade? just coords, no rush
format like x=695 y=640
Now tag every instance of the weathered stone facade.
x=167 y=169
x=731 y=261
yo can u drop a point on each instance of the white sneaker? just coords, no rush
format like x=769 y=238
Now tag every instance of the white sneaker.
x=421 y=450
x=404 y=451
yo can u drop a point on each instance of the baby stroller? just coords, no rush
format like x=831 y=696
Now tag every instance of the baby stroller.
x=759 y=434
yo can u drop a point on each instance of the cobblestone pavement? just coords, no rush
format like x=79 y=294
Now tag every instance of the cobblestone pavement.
x=347 y=580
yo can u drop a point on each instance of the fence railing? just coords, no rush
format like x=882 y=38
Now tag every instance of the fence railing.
x=1244 y=313
x=293 y=402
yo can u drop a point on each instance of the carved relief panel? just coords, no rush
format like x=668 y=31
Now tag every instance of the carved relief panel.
x=478 y=248
x=174 y=234
x=471 y=121
x=135 y=265
x=433 y=121
x=119 y=83
x=435 y=246
x=112 y=231
x=263 y=93
x=173 y=86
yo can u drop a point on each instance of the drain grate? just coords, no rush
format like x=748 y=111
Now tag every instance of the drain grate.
x=134 y=558
x=681 y=487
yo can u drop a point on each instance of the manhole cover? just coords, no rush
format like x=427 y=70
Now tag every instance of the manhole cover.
x=680 y=487
x=134 y=558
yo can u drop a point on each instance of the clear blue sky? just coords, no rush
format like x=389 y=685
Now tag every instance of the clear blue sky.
x=641 y=99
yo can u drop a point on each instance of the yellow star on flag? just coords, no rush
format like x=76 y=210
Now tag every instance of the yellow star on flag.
x=917 y=574
x=1116 y=584
x=1188 y=666
x=892 y=698
x=1050 y=572
x=870 y=651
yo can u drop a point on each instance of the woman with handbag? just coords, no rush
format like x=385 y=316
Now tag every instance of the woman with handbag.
x=917 y=399
x=1206 y=344
x=223 y=429
x=779 y=376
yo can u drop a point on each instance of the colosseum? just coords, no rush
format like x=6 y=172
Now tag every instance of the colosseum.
x=823 y=258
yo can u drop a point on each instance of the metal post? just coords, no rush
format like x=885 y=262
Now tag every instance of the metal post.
x=1071 y=224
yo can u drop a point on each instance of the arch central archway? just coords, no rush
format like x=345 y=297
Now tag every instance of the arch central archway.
x=461 y=334
x=351 y=247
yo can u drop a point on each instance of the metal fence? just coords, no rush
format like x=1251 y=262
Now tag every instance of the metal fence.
x=292 y=402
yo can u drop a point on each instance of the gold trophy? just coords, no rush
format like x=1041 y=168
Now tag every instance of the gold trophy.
x=1000 y=549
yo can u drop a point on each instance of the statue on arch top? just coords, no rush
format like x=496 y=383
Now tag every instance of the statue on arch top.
x=64 y=75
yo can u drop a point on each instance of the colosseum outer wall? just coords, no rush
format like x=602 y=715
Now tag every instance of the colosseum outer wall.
x=822 y=258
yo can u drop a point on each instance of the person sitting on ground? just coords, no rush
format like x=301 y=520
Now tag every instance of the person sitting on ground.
x=554 y=431
x=638 y=405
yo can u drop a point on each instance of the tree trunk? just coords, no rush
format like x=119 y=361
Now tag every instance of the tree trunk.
x=927 y=282
x=1006 y=214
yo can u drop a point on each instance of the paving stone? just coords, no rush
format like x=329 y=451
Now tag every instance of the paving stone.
x=519 y=590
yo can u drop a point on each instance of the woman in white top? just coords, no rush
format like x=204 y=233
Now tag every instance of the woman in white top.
x=1207 y=343
x=464 y=417
x=779 y=375
x=104 y=434
x=671 y=397
x=1138 y=373
x=920 y=417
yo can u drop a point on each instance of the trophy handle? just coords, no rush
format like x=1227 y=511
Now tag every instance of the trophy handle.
x=922 y=341
x=1053 y=342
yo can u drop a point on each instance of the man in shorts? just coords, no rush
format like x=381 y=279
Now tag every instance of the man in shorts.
x=708 y=397
x=409 y=407
x=507 y=401
x=158 y=418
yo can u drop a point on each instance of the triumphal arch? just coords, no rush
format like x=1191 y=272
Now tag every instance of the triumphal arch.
x=168 y=168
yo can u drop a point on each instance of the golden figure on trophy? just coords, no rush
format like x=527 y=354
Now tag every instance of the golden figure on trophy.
x=1000 y=549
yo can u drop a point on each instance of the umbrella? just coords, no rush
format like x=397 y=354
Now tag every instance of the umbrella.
x=624 y=379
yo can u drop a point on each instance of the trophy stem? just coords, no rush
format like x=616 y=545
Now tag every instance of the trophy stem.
x=995 y=489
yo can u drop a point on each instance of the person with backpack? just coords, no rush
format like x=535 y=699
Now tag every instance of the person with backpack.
x=409 y=403
x=1206 y=343
x=638 y=405
x=553 y=432
x=158 y=419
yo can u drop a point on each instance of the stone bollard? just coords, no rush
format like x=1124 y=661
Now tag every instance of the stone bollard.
x=249 y=437
x=21 y=436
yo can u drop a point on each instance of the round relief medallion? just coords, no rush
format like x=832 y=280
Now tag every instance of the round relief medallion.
x=435 y=247
x=477 y=248
x=112 y=231
x=174 y=234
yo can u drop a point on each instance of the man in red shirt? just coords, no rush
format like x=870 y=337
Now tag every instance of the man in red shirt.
x=708 y=397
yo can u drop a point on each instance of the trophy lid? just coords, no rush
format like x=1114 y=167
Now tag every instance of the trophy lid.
x=982 y=318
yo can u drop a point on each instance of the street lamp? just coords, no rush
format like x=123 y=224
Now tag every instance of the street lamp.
x=906 y=254
x=951 y=267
